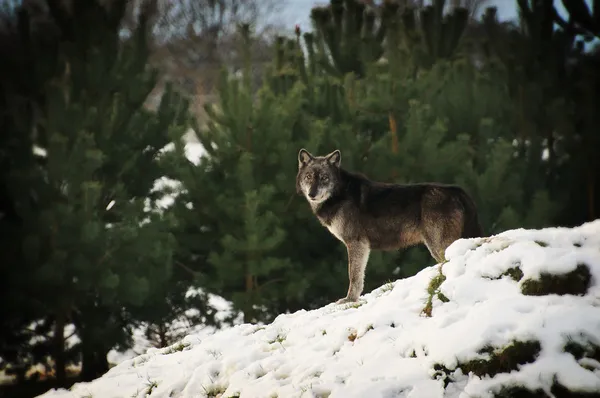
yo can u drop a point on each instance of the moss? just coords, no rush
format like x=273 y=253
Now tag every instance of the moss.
x=428 y=307
x=557 y=390
x=436 y=282
x=580 y=350
x=575 y=282
x=442 y=372
x=500 y=361
x=176 y=348
x=519 y=392
x=355 y=304
x=514 y=273
x=280 y=338
x=214 y=391
x=387 y=287
x=150 y=386
x=505 y=360
x=258 y=329
x=443 y=297
x=433 y=290
x=352 y=335
x=561 y=391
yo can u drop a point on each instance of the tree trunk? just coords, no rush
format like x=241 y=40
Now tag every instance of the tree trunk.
x=162 y=335
x=591 y=191
x=60 y=359
x=93 y=362
x=248 y=310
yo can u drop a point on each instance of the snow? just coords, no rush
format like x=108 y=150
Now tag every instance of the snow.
x=141 y=344
x=384 y=346
x=170 y=188
x=194 y=150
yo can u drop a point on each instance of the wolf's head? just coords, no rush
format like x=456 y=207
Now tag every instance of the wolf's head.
x=317 y=176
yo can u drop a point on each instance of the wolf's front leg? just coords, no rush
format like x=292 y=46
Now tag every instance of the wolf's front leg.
x=358 y=255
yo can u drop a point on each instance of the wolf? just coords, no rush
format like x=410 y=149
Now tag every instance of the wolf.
x=369 y=215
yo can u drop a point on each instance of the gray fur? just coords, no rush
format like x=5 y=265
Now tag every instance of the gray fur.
x=367 y=215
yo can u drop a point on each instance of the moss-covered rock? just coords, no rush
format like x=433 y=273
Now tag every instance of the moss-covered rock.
x=583 y=348
x=575 y=283
x=519 y=392
x=503 y=360
x=557 y=391
x=509 y=358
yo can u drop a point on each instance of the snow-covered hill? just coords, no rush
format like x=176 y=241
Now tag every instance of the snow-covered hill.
x=514 y=315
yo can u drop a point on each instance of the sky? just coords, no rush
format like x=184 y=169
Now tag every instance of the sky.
x=297 y=11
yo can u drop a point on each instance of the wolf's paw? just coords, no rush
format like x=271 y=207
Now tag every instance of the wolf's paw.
x=346 y=300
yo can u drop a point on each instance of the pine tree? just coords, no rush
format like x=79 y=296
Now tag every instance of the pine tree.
x=545 y=64
x=96 y=252
x=402 y=120
x=467 y=141
x=19 y=96
x=233 y=191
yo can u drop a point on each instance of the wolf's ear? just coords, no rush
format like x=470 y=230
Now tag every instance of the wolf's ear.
x=335 y=158
x=304 y=157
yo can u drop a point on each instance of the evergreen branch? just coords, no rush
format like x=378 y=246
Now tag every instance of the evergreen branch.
x=186 y=268
x=267 y=283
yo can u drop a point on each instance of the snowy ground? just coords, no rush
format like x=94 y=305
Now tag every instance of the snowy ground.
x=141 y=344
x=385 y=346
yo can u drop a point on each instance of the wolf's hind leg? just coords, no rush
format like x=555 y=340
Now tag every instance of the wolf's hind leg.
x=358 y=256
x=437 y=241
x=435 y=252
x=440 y=229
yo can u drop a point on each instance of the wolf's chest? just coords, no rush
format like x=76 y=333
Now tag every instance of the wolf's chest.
x=335 y=226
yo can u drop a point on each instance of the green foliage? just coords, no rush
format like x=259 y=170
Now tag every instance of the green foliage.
x=448 y=122
x=433 y=291
x=93 y=250
x=426 y=35
x=348 y=32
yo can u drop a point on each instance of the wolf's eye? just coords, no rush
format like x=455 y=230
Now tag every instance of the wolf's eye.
x=325 y=179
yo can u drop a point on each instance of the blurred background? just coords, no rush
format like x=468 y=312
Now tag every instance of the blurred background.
x=148 y=154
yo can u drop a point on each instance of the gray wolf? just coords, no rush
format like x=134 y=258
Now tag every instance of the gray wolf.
x=369 y=215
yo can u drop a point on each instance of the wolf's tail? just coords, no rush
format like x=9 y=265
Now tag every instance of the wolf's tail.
x=471 y=225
